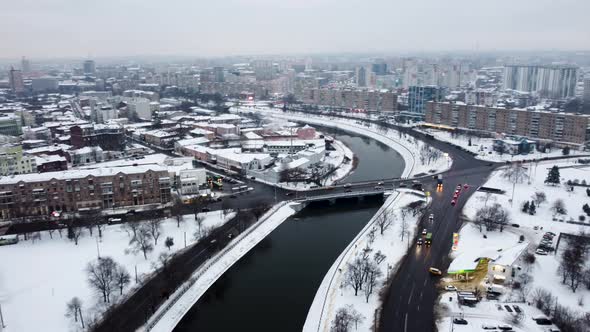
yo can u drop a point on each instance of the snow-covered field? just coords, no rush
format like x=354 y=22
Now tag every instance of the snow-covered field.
x=171 y=312
x=38 y=278
x=482 y=147
x=331 y=294
x=544 y=271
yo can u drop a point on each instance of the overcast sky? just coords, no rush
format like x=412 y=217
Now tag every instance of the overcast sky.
x=57 y=28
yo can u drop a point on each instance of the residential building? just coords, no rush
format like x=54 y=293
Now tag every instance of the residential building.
x=84 y=189
x=531 y=123
x=139 y=106
x=106 y=136
x=86 y=155
x=44 y=84
x=51 y=163
x=370 y=100
x=25 y=65
x=10 y=124
x=554 y=81
x=15 y=80
x=190 y=181
x=418 y=96
x=514 y=145
x=12 y=161
x=587 y=95
x=89 y=67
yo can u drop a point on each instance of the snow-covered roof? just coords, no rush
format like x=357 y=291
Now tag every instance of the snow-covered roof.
x=192 y=141
x=252 y=135
x=509 y=256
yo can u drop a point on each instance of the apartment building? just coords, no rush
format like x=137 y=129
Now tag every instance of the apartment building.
x=553 y=81
x=86 y=189
x=371 y=100
x=558 y=127
x=108 y=137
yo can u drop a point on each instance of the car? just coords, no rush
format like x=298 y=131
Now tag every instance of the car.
x=551 y=233
x=205 y=210
x=403 y=185
x=289 y=194
x=542 y=320
x=547 y=242
x=459 y=187
x=348 y=185
x=505 y=327
x=453 y=202
x=450 y=288
x=424 y=231
x=541 y=252
x=114 y=221
x=431 y=217
x=466 y=186
x=233 y=196
x=457 y=192
x=379 y=183
x=552 y=329
x=487 y=326
x=455 y=196
x=419 y=242
x=435 y=271
x=547 y=237
x=459 y=321
x=490 y=164
x=252 y=178
x=348 y=190
x=536 y=228
x=515 y=225
x=378 y=188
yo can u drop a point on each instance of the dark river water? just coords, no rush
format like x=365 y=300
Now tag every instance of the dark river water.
x=272 y=287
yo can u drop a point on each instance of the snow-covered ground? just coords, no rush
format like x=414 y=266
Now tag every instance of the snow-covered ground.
x=38 y=278
x=482 y=147
x=544 y=271
x=331 y=295
x=410 y=149
x=486 y=313
x=171 y=312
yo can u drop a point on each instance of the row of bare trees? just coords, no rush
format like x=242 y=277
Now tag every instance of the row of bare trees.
x=572 y=266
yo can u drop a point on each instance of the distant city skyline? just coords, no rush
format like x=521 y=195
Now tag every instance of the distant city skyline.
x=69 y=28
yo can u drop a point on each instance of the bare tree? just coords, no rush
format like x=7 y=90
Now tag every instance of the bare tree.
x=355 y=317
x=169 y=242
x=122 y=278
x=199 y=219
x=558 y=207
x=101 y=276
x=177 y=206
x=384 y=220
x=141 y=242
x=355 y=274
x=131 y=228
x=516 y=173
x=492 y=216
x=342 y=321
x=404 y=227
x=372 y=274
x=51 y=231
x=155 y=229
x=539 y=197
x=74 y=310
x=75 y=232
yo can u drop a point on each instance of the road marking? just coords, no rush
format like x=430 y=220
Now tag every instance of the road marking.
x=425 y=281
x=418 y=307
x=406 y=323
x=411 y=293
x=421 y=293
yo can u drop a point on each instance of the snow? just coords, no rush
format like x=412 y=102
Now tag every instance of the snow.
x=544 y=270
x=488 y=313
x=482 y=146
x=406 y=146
x=330 y=296
x=171 y=312
x=42 y=284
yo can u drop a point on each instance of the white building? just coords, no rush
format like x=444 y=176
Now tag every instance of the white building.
x=86 y=155
x=140 y=106
x=190 y=180
x=12 y=161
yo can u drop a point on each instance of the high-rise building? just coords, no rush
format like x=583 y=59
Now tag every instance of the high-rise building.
x=25 y=65
x=15 y=79
x=552 y=81
x=218 y=75
x=89 y=67
x=418 y=96
x=361 y=77
x=587 y=95
x=379 y=67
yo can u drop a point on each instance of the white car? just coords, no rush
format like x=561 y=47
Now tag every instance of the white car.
x=424 y=231
x=541 y=252
x=450 y=288
x=431 y=217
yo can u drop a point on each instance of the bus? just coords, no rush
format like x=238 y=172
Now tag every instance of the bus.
x=428 y=239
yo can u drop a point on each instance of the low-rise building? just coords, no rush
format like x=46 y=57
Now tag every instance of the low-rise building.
x=87 y=189
x=191 y=180
x=12 y=161
x=86 y=155
x=51 y=163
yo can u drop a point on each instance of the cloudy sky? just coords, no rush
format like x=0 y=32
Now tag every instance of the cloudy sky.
x=56 y=28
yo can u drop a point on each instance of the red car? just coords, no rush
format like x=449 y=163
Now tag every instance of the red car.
x=453 y=202
x=456 y=195
x=466 y=186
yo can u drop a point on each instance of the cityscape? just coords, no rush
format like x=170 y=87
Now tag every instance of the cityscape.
x=299 y=167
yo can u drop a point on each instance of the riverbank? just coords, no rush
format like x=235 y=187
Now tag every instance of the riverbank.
x=179 y=303
x=335 y=293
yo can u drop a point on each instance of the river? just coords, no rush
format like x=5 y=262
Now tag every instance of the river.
x=272 y=287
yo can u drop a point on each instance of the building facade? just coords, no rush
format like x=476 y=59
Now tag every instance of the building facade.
x=558 y=127
x=418 y=96
x=107 y=137
x=12 y=161
x=555 y=82
x=76 y=190
x=382 y=101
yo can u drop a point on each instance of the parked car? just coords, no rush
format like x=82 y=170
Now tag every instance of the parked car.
x=431 y=217
x=424 y=231
x=551 y=233
x=541 y=252
x=505 y=327
x=435 y=271
x=542 y=320
x=487 y=326
x=450 y=288
x=453 y=202
x=289 y=194
x=348 y=190
x=515 y=225
x=459 y=321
